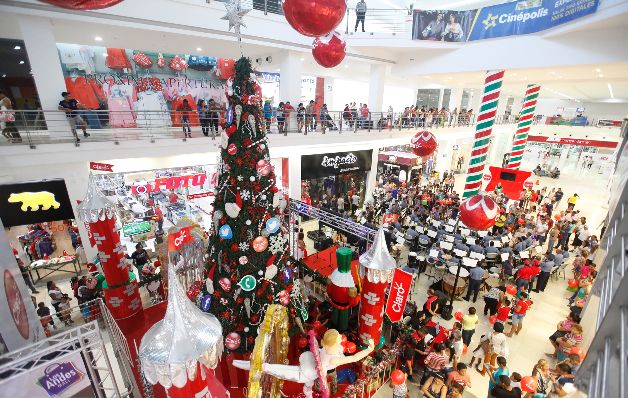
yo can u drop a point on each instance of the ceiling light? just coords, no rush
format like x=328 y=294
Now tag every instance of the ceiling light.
x=598 y=70
x=346 y=65
x=199 y=49
x=302 y=59
x=610 y=90
x=552 y=73
x=600 y=75
x=277 y=70
x=21 y=62
x=105 y=54
x=17 y=47
x=98 y=38
x=428 y=77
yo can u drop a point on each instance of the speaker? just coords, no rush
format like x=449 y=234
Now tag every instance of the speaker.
x=446 y=312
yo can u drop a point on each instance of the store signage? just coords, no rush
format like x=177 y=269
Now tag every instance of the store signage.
x=170 y=183
x=200 y=195
x=176 y=240
x=500 y=20
x=511 y=181
x=61 y=378
x=398 y=295
x=136 y=228
x=487 y=177
x=572 y=141
x=324 y=165
x=100 y=166
x=34 y=202
x=528 y=184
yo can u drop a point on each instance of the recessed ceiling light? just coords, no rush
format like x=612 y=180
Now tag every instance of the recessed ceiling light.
x=4 y=75
x=600 y=75
x=598 y=70
x=302 y=59
x=199 y=49
x=17 y=47
x=21 y=62
x=610 y=90
x=346 y=65
x=552 y=73
x=98 y=38
x=277 y=69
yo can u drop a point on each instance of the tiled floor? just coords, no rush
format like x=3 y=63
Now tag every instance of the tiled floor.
x=549 y=307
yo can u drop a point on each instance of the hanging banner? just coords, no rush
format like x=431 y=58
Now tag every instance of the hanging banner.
x=100 y=166
x=61 y=378
x=398 y=295
x=178 y=239
x=390 y=218
x=500 y=20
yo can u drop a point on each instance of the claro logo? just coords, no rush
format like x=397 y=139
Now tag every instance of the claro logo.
x=491 y=20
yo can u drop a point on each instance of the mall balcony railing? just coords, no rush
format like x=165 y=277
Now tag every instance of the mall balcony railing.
x=35 y=128
x=381 y=21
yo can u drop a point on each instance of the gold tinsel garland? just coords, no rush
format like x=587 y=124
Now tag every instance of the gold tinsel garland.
x=271 y=346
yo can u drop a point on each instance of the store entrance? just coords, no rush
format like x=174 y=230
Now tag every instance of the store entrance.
x=331 y=187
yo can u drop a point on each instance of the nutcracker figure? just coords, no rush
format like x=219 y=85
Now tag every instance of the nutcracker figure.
x=342 y=290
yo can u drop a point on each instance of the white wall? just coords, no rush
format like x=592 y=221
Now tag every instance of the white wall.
x=346 y=91
x=398 y=97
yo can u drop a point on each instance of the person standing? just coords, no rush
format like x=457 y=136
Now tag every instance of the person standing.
x=26 y=276
x=214 y=117
x=71 y=106
x=521 y=308
x=185 y=110
x=268 y=115
x=469 y=322
x=203 y=113
x=159 y=215
x=360 y=14
x=571 y=202
x=546 y=270
x=476 y=275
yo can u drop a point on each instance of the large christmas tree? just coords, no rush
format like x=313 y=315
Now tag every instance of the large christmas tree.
x=248 y=266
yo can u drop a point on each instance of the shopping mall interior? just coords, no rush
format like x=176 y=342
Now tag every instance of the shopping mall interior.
x=313 y=198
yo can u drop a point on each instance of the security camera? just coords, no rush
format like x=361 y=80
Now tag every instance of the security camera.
x=269 y=59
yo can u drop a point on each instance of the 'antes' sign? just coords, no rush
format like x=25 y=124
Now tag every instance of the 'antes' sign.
x=34 y=202
x=328 y=164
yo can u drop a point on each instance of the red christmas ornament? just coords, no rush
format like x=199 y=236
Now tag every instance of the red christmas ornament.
x=232 y=341
x=82 y=4
x=302 y=342
x=231 y=129
x=254 y=318
x=142 y=60
x=178 y=64
x=423 y=143
x=314 y=17
x=225 y=284
x=161 y=61
x=478 y=212
x=234 y=247
x=329 y=51
x=232 y=149
x=263 y=167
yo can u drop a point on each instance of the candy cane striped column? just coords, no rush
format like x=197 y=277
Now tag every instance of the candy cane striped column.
x=483 y=129
x=525 y=121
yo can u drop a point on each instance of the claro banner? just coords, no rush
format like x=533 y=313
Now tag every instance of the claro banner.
x=507 y=19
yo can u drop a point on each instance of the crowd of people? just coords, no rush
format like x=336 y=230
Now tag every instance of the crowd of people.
x=530 y=241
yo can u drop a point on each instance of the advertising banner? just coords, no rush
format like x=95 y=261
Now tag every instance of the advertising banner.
x=34 y=202
x=328 y=164
x=398 y=295
x=20 y=324
x=500 y=20
x=61 y=378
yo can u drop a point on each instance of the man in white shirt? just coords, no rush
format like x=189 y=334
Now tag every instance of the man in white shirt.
x=341 y=204
x=355 y=201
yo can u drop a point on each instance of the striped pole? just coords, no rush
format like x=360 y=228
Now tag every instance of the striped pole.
x=525 y=121
x=483 y=128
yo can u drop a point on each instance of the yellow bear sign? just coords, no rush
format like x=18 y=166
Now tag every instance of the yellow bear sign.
x=33 y=200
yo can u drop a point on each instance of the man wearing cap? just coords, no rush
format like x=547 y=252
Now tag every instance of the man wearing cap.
x=546 y=270
x=71 y=106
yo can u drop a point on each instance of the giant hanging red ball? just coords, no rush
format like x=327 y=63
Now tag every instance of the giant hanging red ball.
x=423 y=143
x=83 y=4
x=478 y=212
x=329 y=51
x=314 y=17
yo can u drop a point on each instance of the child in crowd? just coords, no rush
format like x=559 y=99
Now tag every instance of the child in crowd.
x=503 y=312
x=43 y=313
x=64 y=310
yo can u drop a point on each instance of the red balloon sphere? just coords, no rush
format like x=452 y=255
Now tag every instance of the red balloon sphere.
x=458 y=316
x=329 y=51
x=511 y=289
x=314 y=17
x=478 y=212
x=578 y=351
x=350 y=348
x=492 y=319
x=423 y=143
x=397 y=376
x=573 y=283
x=83 y=4
x=529 y=384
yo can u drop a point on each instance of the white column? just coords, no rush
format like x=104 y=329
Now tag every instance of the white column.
x=372 y=178
x=290 y=83
x=376 y=88
x=42 y=53
x=294 y=176
x=329 y=94
x=455 y=99
x=441 y=94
